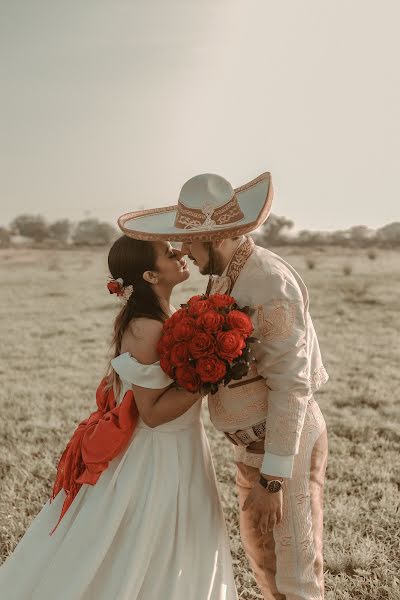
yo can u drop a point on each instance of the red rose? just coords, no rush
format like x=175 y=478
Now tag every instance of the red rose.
x=179 y=354
x=114 y=287
x=221 y=300
x=183 y=329
x=176 y=317
x=166 y=365
x=230 y=344
x=165 y=342
x=211 y=369
x=211 y=321
x=239 y=320
x=202 y=344
x=198 y=307
x=187 y=378
x=196 y=298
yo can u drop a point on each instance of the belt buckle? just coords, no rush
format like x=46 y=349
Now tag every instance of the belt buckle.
x=235 y=439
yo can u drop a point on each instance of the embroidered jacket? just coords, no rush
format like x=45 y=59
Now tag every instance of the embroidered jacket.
x=288 y=357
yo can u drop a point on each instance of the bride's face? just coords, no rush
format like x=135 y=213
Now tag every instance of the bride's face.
x=171 y=266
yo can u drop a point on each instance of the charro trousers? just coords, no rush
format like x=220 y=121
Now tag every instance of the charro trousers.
x=288 y=562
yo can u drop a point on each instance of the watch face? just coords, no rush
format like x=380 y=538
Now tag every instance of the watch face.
x=274 y=486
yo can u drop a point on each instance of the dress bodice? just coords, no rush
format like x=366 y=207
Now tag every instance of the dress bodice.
x=131 y=371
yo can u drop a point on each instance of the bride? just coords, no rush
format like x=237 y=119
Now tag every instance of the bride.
x=135 y=512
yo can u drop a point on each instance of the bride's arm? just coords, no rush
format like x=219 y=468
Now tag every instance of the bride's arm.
x=155 y=406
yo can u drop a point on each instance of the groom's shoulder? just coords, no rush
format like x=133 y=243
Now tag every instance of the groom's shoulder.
x=271 y=264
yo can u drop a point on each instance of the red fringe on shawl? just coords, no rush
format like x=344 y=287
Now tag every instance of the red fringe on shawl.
x=95 y=442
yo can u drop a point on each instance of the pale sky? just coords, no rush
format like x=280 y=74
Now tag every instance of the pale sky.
x=107 y=106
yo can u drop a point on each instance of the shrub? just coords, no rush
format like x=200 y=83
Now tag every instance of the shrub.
x=92 y=232
x=5 y=238
x=347 y=270
x=31 y=226
x=60 y=230
x=310 y=263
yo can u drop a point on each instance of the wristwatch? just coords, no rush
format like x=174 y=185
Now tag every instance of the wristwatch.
x=273 y=485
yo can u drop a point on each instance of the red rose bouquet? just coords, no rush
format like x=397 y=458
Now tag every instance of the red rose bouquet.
x=206 y=342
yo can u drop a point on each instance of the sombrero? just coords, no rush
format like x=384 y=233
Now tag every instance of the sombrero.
x=208 y=209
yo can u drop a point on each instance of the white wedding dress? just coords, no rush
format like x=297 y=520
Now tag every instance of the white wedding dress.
x=151 y=528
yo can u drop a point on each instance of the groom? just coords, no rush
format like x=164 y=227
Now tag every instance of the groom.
x=271 y=416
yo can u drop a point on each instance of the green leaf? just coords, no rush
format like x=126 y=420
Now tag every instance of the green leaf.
x=228 y=378
x=239 y=370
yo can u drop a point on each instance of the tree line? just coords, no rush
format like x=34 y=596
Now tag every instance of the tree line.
x=63 y=232
x=276 y=231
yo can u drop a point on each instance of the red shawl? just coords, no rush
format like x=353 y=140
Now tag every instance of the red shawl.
x=95 y=442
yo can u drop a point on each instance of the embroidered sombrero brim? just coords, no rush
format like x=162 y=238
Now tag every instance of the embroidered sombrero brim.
x=254 y=200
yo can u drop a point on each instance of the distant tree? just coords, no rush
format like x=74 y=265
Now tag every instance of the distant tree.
x=60 y=230
x=360 y=235
x=272 y=231
x=32 y=226
x=389 y=234
x=5 y=238
x=309 y=238
x=92 y=232
x=340 y=237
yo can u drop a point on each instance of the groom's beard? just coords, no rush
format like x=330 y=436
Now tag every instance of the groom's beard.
x=214 y=265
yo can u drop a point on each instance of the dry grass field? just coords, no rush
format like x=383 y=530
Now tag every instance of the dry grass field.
x=56 y=318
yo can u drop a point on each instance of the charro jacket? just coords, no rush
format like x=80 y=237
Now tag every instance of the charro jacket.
x=288 y=357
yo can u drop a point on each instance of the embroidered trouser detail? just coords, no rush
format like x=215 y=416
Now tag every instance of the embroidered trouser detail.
x=288 y=561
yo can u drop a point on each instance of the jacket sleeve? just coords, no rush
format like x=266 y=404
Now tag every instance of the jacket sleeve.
x=280 y=324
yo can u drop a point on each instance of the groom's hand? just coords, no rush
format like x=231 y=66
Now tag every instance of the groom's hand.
x=267 y=507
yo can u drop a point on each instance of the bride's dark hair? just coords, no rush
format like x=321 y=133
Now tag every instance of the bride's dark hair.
x=129 y=259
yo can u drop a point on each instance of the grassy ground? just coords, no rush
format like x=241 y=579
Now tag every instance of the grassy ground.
x=56 y=318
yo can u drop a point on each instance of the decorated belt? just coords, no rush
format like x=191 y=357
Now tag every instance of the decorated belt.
x=255 y=433
x=244 y=437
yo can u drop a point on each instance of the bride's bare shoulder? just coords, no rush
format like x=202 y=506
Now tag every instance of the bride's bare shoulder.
x=140 y=339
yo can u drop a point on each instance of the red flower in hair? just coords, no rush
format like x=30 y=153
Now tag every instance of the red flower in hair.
x=114 y=287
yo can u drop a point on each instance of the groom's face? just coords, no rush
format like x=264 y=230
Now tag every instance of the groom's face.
x=204 y=255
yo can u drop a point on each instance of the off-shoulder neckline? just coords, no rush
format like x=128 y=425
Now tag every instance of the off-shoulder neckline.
x=129 y=355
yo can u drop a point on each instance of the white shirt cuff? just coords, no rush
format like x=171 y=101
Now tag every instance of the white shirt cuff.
x=281 y=466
